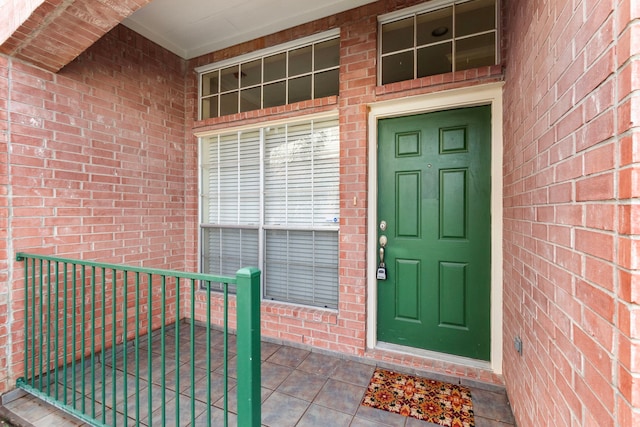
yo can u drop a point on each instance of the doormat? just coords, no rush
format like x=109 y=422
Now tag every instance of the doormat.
x=429 y=400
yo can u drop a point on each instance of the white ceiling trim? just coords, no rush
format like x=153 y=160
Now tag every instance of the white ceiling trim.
x=190 y=28
x=316 y=38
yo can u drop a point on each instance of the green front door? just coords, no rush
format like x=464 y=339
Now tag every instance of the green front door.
x=434 y=182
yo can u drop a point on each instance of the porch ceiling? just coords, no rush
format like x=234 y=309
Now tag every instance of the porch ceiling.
x=51 y=33
x=191 y=28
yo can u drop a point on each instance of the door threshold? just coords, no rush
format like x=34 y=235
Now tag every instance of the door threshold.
x=433 y=355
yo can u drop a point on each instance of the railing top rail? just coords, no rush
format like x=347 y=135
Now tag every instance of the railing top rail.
x=21 y=256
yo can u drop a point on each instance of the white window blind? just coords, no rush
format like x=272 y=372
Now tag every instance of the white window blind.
x=302 y=174
x=228 y=250
x=301 y=266
x=231 y=179
x=297 y=167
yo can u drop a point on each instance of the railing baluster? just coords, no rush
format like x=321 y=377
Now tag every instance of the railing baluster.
x=103 y=349
x=81 y=317
x=48 y=316
x=65 y=331
x=248 y=345
x=192 y=343
x=40 y=326
x=150 y=340
x=177 y=345
x=114 y=322
x=137 y=348
x=93 y=342
x=225 y=396
x=83 y=331
x=74 y=284
x=33 y=324
x=125 y=318
x=26 y=320
x=208 y=305
x=163 y=353
x=57 y=330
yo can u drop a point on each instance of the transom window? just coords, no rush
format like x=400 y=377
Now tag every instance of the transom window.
x=291 y=74
x=270 y=198
x=452 y=36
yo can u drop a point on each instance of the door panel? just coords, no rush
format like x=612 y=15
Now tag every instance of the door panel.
x=407 y=297
x=453 y=291
x=434 y=193
x=408 y=203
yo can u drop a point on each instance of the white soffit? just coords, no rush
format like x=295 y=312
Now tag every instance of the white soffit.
x=191 y=28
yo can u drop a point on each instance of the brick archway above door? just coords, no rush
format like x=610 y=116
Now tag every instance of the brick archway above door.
x=54 y=32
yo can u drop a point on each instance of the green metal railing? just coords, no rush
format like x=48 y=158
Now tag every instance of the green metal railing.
x=109 y=343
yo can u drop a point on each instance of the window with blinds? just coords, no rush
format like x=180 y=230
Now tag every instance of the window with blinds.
x=270 y=198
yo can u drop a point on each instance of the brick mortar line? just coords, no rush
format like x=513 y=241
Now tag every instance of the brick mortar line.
x=9 y=243
x=43 y=26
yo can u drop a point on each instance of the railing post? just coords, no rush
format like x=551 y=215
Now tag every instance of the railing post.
x=248 y=346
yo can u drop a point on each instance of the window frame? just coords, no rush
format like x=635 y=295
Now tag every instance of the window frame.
x=261 y=55
x=263 y=227
x=432 y=6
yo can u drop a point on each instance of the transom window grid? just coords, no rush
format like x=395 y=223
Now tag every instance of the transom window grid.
x=451 y=37
x=270 y=198
x=298 y=74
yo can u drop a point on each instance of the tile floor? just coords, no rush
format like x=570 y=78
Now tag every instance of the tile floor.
x=299 y=388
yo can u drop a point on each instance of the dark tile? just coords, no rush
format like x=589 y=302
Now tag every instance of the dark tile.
x=217 y=418
x=20 y=402
x=289 y=356
x=474 y=384
x=267 y=349
x=12 y=395
x=280 y=410
x=142 y=399
x=217 y=341
x=184 y=377
x=91 y=407
x=353 y=372
x=217 y=388
x=491 y=405
x=231 y=343
x=232 y=399
x=310 y=388
x=232 y=366
x=32 y=409
x=340 y=396
x=273 y=374
x=302 y=385
x=319 y=364
x=485 y=422
x=183 y=411
x=120 y=393
x=119 y=420
x=379 y=416
x=318 y=416
x=215 y=358
x=363 y=422
x=414 y=422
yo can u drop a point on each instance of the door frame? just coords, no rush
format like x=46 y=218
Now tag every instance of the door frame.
x=487 y=94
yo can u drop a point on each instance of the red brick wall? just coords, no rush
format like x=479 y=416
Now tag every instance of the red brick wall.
x=571 y=235
x=51 y=33
x=4 y=217
x=344 y=331
x=96 y=166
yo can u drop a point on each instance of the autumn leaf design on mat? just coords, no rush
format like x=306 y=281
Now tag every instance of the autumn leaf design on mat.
x=429 y=400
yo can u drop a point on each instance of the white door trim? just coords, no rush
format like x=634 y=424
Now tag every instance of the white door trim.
x=488 y=94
